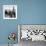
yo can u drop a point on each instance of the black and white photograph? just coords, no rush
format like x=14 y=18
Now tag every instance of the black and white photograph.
x=29 y=35
x=9 y=11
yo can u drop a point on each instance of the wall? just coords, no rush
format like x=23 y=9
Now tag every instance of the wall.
x=34 y=12
x=29 y=12
x=7 y=26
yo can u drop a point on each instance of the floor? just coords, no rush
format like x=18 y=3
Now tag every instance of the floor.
x=30 y=43
x=7 y=45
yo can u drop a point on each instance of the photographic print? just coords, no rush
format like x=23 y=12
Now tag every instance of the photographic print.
x=30 y=34
x=33 y=32
x=9 y=11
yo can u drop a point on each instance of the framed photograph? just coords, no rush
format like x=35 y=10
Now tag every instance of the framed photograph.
x=9 y=11
x=31 y=32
